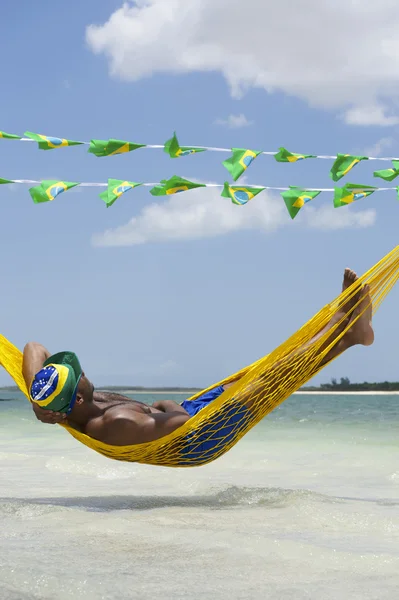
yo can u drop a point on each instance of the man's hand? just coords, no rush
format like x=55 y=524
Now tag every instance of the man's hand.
x=48 y=416
x=169 y=406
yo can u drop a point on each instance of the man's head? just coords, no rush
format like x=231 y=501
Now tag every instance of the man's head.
x=61 y=384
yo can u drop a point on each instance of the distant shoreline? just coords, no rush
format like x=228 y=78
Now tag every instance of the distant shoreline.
x=348 y=393
x=192 y=391
x=299 y=392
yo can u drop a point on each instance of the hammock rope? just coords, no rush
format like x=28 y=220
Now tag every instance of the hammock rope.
x=264 y=385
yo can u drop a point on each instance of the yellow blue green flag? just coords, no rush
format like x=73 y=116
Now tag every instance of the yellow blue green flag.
x=240 y=195
x=240 y=161
x=295 y=198
x=283 y=155
x=389 y=174
x=343 y=164
x=50 y=143
x=174 y=185
x=9 y=136
x=116 y=187
x=350 y=193
x=50 y=189
x=112 y=147
x=174 y=150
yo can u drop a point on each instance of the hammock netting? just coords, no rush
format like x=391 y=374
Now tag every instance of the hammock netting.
x=265 y=384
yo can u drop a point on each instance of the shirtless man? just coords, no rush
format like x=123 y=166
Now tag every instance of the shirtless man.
x=61 y=393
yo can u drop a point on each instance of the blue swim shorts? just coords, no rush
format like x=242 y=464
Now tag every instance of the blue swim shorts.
x=209 y=436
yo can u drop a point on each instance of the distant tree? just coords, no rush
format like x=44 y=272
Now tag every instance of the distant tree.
x=345 y=382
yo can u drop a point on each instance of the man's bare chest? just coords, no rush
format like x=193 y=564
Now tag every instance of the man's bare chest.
x=110 y=402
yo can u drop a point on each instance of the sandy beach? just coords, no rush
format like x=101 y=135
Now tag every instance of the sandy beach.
x=304 y=507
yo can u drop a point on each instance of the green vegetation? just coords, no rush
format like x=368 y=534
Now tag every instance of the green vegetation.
x=344 y=385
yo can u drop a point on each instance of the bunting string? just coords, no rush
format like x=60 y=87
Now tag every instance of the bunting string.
x=294 y=197
x=162 y=146
x=237 y=164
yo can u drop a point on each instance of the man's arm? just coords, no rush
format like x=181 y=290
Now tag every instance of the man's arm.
x=122 y=431
x=169 y=406
x=33 y=358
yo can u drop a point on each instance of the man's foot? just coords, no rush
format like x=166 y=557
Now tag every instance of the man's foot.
x=345 y=311
x=349 y=279
x=361 y=331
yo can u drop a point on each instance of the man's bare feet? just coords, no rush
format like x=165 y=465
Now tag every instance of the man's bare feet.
x=361 y=331
x=345 y=311
x=349 y=278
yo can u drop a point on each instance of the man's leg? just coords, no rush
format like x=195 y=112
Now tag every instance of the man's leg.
x=361 y=332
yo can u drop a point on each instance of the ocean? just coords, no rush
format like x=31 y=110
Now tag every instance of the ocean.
x=306 y=506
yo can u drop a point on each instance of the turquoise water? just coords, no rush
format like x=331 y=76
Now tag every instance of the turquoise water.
x=305 y=506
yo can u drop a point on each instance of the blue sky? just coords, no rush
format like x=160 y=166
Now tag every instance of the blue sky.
x=185 y=307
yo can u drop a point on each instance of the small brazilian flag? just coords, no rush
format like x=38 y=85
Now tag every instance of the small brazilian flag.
x=350 y=193
x=112 y=147
x=50 y=143
x=9 y=136
x=48 y=190
x=283 y=155
x=389 y=174
x=240 y=195
x=174 y=185
x=172 y=148
x=116 y=187
x=296 y=197
x=240 y=161
x=343 y=164
x=5 y=181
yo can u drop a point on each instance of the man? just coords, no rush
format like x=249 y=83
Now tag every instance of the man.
x=61 y=393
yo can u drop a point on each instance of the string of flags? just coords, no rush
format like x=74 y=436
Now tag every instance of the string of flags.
x=294 y=197
x=237 y=164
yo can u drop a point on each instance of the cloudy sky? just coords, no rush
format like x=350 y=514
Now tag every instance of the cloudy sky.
x=186 y=289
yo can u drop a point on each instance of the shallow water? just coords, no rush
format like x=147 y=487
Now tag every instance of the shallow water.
x=306 y=506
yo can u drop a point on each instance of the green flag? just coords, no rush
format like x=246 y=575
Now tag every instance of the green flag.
x=50 y=189
x=174 y=185
x=296 y=197
x=50 y=143
x=389 y=174
x=116 y=187
x=283 y=155
x=343 y=164
x=5 y=181
x=240 y=195
x=240 y=161
x=112 y=147
x=172 y=148
x=350 y=193
x=9 y=136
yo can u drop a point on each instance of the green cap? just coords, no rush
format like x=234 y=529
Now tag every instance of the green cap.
x=55 y=386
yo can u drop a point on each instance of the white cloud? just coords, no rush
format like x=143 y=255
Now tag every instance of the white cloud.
x=203 y=213
x=370 y=115
x=234 y=121
x=332 y=54
x=330 y=218
x=379 y=147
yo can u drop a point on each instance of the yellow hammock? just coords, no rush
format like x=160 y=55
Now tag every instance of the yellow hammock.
x=280 y=373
